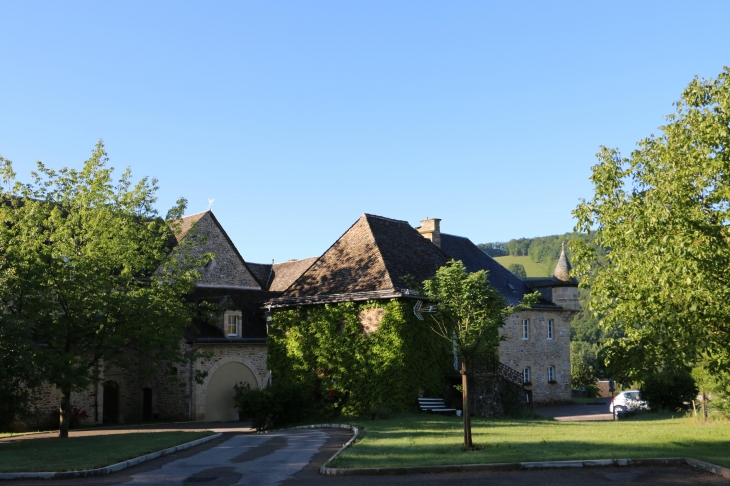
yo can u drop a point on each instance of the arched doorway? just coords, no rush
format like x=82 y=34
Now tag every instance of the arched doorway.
x=219 y=394
x=110 y=410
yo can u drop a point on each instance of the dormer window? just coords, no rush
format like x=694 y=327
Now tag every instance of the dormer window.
x=232 y=323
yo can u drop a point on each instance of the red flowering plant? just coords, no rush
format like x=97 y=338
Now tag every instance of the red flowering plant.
x=75 y=416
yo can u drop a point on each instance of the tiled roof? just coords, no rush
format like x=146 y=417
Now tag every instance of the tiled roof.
x=372 y=256
x=286 y=273
x=509 y=285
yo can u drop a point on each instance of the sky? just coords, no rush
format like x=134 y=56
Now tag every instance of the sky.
x=297 y=117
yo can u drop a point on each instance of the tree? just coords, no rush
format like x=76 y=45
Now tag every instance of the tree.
x=469 y=314
x=79 y=272
x=18 y=373
x=662 y=216
x=518 y=269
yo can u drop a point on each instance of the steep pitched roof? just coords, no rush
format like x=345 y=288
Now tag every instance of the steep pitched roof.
x=509 y=285
x=368 y=261
x=562 y=269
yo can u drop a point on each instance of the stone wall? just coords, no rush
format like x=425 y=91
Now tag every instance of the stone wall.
x=227 y=268
x=47 y=398
x=251 y=355
x=538 y=352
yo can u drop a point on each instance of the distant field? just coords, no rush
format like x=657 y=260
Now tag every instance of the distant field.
x=531 y=268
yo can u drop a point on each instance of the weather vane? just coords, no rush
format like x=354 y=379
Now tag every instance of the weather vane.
x=210 y=204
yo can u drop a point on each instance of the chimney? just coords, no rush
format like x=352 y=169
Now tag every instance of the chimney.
x=431 y=229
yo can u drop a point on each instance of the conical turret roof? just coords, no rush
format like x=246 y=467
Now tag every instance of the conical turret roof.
x=562 y=269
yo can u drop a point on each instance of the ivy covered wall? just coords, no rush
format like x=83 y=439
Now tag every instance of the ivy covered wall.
x=359 y=357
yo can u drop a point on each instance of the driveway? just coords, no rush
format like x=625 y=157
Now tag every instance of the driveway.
x=577 y=411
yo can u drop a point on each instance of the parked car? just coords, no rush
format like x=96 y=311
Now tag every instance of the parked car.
x=628 y=401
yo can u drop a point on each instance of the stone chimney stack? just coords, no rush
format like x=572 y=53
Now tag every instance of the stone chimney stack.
x=431 y=229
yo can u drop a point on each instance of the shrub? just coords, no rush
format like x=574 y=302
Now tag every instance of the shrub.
x=279 y=404
x=669 y=391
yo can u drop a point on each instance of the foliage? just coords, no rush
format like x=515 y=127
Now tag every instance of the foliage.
x=326 y=350
x=670 y=391
x=470 y=311
x=544 y=249
x=715 y=387
x=78 y=267
x=494 y=249
x=585 y=366
x=518 y=270
x=663 y=213
x=18 y=373
x=275 y=406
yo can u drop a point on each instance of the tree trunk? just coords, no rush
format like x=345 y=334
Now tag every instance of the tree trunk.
x=65 y=416
x=465 y=402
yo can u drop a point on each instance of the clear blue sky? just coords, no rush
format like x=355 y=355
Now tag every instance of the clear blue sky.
x=297 y=117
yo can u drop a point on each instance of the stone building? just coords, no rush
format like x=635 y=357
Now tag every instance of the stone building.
x=368 y=262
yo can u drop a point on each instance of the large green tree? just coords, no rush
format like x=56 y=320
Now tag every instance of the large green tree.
x=81 y=274
x=663 y=217
x=469 y=314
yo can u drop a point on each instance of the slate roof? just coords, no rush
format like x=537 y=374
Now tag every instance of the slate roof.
x=286 y=273
x=368 y=261
x=261 y=272
x=509 y=285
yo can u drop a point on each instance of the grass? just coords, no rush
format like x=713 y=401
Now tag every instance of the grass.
x=532 y=269
x=76 y=453
x=418 y=439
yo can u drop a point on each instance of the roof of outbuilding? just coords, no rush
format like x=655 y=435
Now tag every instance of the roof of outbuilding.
x=286 y=273
x=508 y=284
x=373 y=255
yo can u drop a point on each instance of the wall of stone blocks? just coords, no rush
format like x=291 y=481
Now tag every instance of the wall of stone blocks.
x=47 y=398
x=227 y=269
x=538 y=352
x=251 y=355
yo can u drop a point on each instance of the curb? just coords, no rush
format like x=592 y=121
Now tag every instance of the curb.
x=108 y=469
x=523 y=466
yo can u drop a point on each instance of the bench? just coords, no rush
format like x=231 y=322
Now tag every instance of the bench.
x=435 y=405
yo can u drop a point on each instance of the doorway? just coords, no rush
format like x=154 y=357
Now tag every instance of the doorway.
x=110 y=410
x=146 y=404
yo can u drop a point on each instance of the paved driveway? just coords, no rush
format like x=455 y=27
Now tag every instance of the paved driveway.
x=577 y=411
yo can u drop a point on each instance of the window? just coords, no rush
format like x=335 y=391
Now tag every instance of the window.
x=551 y=374
x=551 y=325
x=525 y=329
x=232 y=322
x=526 y=375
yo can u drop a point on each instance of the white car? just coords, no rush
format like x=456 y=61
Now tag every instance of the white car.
x=627 y=401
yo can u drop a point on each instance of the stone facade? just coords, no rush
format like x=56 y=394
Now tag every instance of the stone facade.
x=253 y=356
x=537 y=352
x=227 y=269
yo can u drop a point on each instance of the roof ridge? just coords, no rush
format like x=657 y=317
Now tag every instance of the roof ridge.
x=386 y=219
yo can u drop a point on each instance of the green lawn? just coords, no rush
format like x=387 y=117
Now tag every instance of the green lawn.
x=77 y=453
x=419 y=439
x=531 y=268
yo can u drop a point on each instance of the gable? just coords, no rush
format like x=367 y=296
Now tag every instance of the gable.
x=227 y=269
